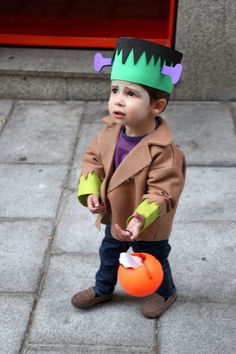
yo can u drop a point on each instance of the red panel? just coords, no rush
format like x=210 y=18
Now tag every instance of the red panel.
x=78 y=24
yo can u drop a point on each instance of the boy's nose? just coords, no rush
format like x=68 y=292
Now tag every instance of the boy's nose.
x=119 y=101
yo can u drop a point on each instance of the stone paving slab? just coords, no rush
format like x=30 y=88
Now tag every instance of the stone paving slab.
x=5 y=106
x=15 y=312
x=30 y=190
x=95 y=111
x=42 y=132
x=209 y=194
x=76 y=229
x=87 y=133
x=116 y=324
x=204 y=131
x=22 y=248
x=203 y=260
x=93 y=114
x=198 y=328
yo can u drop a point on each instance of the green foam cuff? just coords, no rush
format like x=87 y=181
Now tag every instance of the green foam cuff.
x=150 y=211
x=88 y=185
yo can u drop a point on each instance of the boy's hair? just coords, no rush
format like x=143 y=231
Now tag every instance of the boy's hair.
x=156 y=94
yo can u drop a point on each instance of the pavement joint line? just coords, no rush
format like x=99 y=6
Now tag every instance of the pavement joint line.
x=77 y=137
x=67 y=88
x=233 y=222
x=158 y=339
x=26 y=219
x=65 y=190
x=70 y=189
x=33 y=163
x=39 y=163
x=196 y=102
x=212 y=165
x=233 y=115
x=42 y=276
x=203 y=300
x=74 y=254
x=71 y=346
x=63 y=203
x=207 y=221
x=8 y=116
x=16 y=293
x=47 y=255
x=41 y=280
x=73 y=190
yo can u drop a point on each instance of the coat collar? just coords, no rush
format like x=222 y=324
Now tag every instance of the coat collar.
x=161 y=136
x=141 y=153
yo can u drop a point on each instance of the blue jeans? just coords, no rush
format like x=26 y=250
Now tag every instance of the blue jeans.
x=110 y=250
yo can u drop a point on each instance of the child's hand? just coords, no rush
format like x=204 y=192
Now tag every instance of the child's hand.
x=133 y=228
x=94 y=204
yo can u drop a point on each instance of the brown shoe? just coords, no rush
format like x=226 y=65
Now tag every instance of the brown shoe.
x=87 y=298
x=155 y=305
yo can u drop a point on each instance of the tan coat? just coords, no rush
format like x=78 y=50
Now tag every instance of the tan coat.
x=153 y=170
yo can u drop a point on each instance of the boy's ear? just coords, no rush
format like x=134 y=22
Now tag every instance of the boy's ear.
x=159 y=105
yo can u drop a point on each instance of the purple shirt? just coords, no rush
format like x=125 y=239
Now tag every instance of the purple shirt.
x=126 y=143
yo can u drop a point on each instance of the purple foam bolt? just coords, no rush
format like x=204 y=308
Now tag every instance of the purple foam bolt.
x=173 y=71
x=100 y=62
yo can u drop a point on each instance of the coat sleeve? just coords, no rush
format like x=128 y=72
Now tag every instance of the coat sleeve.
x=165 y=183
x=92 y=172
x=166 y=180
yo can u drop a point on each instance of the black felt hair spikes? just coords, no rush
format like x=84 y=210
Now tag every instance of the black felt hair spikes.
x=167 y=55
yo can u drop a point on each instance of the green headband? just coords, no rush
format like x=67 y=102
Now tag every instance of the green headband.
x=145 y=62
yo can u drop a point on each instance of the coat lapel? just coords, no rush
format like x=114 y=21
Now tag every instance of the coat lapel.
x=108 y=145
x=139 y=158
x=134 y=162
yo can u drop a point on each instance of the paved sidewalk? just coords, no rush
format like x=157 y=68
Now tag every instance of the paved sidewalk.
x=49 y=246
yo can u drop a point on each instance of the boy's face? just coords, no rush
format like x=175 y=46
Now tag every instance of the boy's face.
x=129 y=104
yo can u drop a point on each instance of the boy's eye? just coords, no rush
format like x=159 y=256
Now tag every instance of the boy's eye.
x=131 y=93
x=114 y=90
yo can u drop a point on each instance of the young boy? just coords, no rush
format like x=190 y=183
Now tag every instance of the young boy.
x=132 y=174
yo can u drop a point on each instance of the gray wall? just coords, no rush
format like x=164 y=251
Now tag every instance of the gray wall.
x=206 y=34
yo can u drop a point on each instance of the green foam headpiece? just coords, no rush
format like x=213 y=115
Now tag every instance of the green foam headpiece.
x=144 y=62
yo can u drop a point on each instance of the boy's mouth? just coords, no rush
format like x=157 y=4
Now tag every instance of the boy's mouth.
x=118 y=114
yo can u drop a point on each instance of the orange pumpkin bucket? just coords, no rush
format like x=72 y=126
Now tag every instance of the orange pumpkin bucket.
x=143 y=280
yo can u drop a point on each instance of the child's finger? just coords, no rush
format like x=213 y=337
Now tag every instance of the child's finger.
x=134 y=236
x=89 y=202
x=95 y=201
x=123 y=233
x=96 y=209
